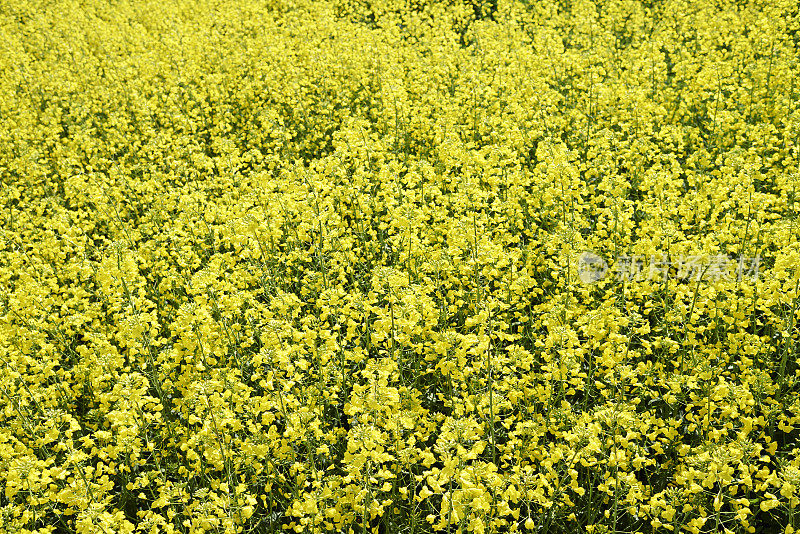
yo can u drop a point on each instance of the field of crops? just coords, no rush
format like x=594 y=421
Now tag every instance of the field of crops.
x=343 y=266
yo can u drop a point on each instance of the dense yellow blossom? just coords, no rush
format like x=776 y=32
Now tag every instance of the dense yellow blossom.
x=399 y=266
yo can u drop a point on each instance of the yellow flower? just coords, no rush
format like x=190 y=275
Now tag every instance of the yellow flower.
x=770 y=502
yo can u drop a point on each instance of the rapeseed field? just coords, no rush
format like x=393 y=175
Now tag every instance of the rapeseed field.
x=393 y=266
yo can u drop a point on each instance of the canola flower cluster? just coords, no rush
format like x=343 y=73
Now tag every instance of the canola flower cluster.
x=313 y=266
